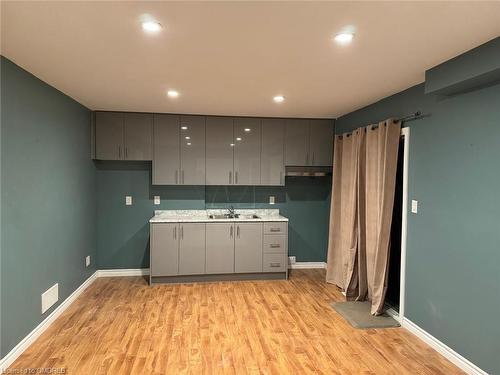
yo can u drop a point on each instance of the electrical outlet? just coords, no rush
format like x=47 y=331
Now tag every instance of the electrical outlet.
x=414 y=206
x=87 y=261
x=292 y=260
x=156 y=199
x=128 y=200
x=49 y=297
x=271 y=199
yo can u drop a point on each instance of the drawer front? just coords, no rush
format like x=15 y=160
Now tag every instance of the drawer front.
x=274 y=263
x=275 y=243
x=275 y=228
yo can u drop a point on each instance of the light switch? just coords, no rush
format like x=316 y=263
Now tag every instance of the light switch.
x=128 y=200
x=156 y=199
x=414 y=206
x=271 y=199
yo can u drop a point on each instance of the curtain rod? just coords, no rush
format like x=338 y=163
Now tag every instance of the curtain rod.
x=414 y=116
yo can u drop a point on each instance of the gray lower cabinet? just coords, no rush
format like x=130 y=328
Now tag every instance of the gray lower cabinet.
x=247 y=144
x=272 y=163
x=297 y=142
x=109 y=136
x=191 y=248
x=166 y=149
x=192 y=150
x=164 y=249
x=248 y=248
x=219 y=151
x=220 y=248
x=138 y=133
x=321 y=142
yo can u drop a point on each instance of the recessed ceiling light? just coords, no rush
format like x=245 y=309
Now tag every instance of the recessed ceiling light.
x=238 y=138
x=231 y=144
x=279 y=99
x=184 y=127
x=187 y=137
x=247 y=129
x=151 y=26
x=189 y=143
x=172 y=94
x=344 y=37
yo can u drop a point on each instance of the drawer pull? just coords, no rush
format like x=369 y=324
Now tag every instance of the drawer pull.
x=275 y=230
x=275 y=264
x=275 y=245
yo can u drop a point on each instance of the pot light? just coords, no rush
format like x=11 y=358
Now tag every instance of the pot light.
x=279 y=99
x=231 y=144
x=172 y=94
x=151 y=26
x=189 y=143
x=238 y=138
x=344 y=37
x=247 y=129
x=187 y=137
x=184 y=127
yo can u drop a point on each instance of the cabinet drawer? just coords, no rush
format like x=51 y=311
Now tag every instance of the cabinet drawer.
x=274 y=263
x=275 y=228
x=275 y=243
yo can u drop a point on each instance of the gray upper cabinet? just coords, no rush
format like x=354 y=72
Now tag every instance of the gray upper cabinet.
x=272 y=163
x=191 y=248
x=321 y=142
x=166 y=149
x=124 y=136
x=164 y=249
x=220 y=248
x=138 y=136
x=297 y=142
x=219 y=151
x=109 y=136
x=247 y=144
x=248 y=248
x=192 y=150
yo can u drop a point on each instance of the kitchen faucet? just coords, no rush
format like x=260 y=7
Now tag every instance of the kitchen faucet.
x=231 y=210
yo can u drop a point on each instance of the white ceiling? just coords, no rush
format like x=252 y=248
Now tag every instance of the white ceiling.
x=232 y=58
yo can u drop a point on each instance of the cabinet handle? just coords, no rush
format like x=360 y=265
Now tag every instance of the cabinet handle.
x=126 y=152
x=175 y=233
x=236 y=177
x=275 y=245
x=275 y=264
x=307 y=158
x=281 y=177
x=231 y=232
x=313 y=159
x=274 y=230
x=182 y=172
x=119 y=152
x=176 y=177
x=230 y=175
x=182 y=232
x=238 y=231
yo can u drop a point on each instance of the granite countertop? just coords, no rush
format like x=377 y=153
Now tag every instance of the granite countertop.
x=202 y=216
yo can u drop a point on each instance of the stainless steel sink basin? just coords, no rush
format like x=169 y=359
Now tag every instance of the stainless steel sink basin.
x=235 y=216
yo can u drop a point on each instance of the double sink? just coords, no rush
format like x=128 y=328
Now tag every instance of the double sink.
x=234 y=216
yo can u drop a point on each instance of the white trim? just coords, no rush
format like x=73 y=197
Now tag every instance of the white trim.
x=393 y=313
x=399 y=315
x=6 y=361
x=446 y=351
x=307 y=265
x=124 y=272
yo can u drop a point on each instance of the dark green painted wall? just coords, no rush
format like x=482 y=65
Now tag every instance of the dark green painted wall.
x=123 y=231
x=453 y=249
x=47 y=199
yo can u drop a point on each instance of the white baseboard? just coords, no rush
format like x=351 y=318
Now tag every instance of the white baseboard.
x=123 y=272
x=6 y=361
x=305 y=265
x=446 y=351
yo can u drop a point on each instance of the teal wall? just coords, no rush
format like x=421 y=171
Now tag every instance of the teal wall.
x=123 y=231
x=453 y=249
x=47 y=199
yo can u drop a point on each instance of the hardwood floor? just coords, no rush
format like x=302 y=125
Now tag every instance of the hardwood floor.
x=124 y=326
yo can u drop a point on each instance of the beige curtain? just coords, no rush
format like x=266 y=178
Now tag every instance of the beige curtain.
x=362 y=201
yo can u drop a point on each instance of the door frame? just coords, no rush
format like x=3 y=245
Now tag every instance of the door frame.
x=399 y=316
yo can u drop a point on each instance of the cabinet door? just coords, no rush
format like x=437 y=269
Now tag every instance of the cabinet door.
x=138 y=136
x=166 y=150
x=247 y=139
x=192 y=249
x=219 y=151
x=272 y=167
x=297 y=142
x=192 y=150
x=220 y=248
x=164 y=249
x=248 y=248
x=321 y=142
x=109 y=136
